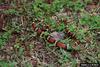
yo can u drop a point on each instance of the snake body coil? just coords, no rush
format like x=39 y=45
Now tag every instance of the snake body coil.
x=51 y=39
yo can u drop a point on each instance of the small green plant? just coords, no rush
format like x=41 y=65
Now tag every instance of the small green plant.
x=92 y=21
x=7 y=63
x=4 y=38
x=64 y=57
x=11 y=11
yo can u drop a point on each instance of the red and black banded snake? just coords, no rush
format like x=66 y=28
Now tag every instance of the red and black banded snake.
x=50 y=39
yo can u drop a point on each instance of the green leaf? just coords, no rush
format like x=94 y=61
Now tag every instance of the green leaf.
x=17 y=45
x=61 y=27
x=74 y=63
x=50 y=45
x=12 y=64
x=20 y=52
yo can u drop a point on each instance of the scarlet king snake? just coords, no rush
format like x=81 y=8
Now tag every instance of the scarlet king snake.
x=53 y=40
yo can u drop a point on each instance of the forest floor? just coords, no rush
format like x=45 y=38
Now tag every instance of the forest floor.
x=21 y=46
